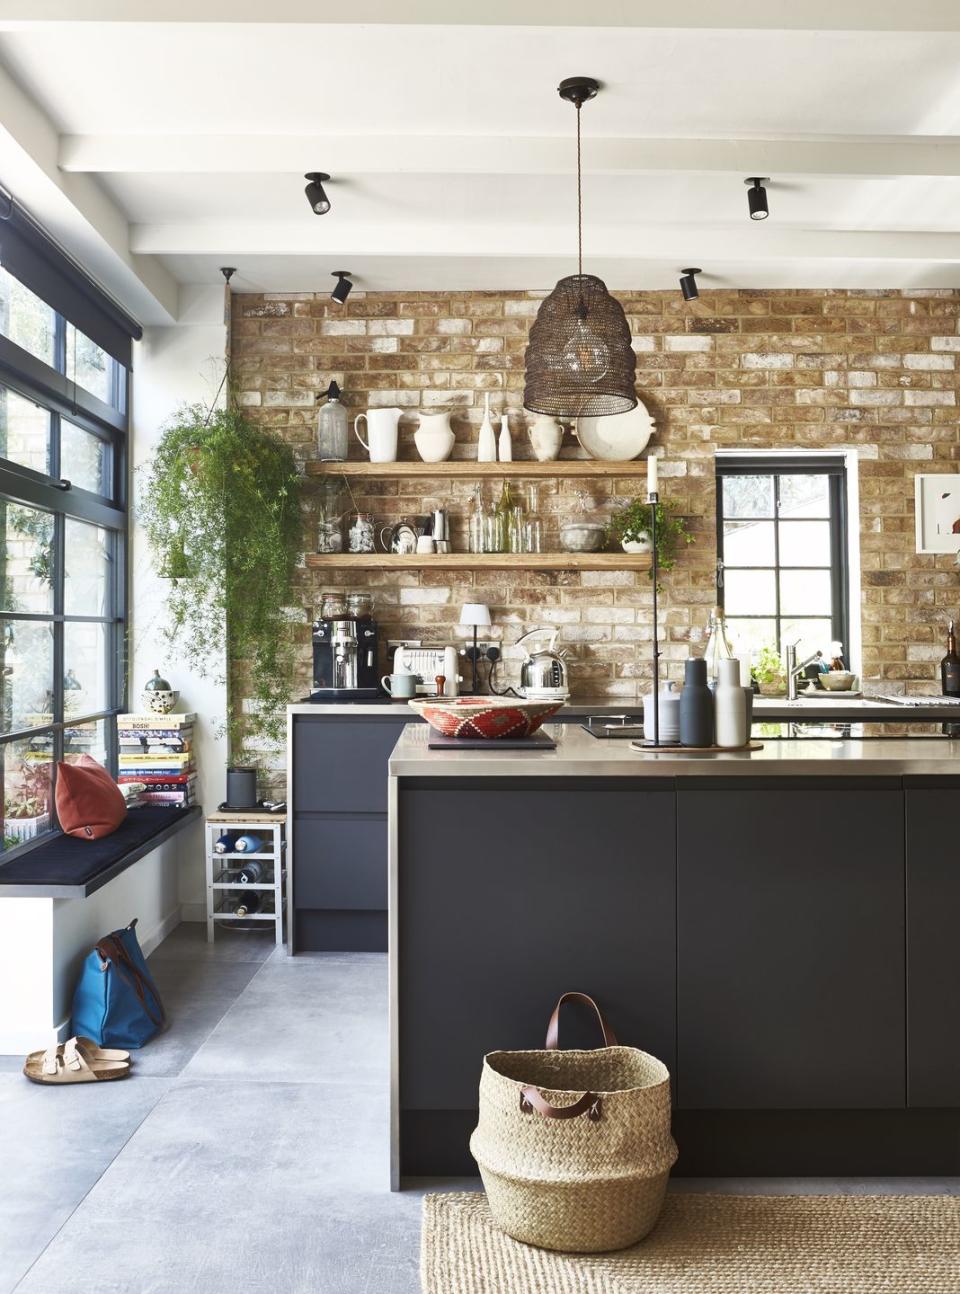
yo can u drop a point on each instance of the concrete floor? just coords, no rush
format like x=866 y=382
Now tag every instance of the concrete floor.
x=249 y=1149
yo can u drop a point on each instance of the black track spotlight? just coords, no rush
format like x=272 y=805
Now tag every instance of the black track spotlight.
x=757 y=196
x=343 y=286
x=688 y=283
x=316 y=195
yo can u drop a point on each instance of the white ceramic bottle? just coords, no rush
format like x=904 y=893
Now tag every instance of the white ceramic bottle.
x=730 y=705
x=487 y=442
x=506 y=444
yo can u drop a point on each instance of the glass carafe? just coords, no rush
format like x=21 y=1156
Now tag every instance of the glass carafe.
x=329 y=516
x=718 y=645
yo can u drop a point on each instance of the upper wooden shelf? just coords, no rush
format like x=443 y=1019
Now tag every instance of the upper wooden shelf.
x=467 y=468
x=483 y=561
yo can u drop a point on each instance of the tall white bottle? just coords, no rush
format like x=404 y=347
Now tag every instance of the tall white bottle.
x=487 y=442
x=730 y=705
x=506 y=444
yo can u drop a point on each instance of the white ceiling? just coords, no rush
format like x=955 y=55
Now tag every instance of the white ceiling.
x=158 y=151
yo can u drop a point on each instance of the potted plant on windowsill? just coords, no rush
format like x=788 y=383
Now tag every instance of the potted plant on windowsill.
x=631 y=525
x=767 y=672
x=27 y=813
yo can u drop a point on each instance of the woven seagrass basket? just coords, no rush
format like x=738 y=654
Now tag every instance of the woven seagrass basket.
x=574 y=1147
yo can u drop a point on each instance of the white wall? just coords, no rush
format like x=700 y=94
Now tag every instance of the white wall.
x=173 y=366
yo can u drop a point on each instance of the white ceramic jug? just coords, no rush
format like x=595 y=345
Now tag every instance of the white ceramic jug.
x=433 y=437
x=382 y=430
x=546 y=437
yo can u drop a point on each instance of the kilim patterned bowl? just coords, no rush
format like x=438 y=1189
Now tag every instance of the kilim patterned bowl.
x=484 y=716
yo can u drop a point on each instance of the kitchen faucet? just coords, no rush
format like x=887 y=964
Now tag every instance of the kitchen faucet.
x=794 y=670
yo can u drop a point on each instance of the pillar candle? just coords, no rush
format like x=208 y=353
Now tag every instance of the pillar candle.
x=651 y=475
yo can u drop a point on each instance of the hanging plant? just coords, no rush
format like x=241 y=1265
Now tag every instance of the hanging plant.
x=220 y=503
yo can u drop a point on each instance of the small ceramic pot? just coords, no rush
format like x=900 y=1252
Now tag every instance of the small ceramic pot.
x=641 y=545
x=546 y=437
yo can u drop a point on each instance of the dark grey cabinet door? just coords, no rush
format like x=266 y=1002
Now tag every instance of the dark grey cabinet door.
x=549 y=890
x=790 y=958
x=340 y=765
x=933 y=949
x=340 y=862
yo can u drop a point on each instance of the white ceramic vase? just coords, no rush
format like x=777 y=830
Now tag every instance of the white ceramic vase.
x=546 y=437
x=487 y=440
x=730 y=706
x=506 y=444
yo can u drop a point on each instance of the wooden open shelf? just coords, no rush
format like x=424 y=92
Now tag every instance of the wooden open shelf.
x=468 y=468
x=482 y=561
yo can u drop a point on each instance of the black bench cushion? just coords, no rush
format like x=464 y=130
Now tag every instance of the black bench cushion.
x=66 y=860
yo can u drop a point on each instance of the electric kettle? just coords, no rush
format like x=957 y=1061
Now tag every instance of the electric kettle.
x=543 y=674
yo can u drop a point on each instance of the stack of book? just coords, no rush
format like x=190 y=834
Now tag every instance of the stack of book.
x=157 y=749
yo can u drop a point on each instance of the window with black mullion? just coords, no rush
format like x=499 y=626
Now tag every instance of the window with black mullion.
x=781 y=553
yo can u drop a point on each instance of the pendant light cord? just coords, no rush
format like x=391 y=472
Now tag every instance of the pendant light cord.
x=579 y=203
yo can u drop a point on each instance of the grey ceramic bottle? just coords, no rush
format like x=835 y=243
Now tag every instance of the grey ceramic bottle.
x=696 y=705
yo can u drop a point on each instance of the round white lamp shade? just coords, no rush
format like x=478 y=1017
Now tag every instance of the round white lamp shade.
x=475 y=613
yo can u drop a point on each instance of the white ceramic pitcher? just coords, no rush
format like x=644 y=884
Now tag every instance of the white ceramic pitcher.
x=382 y=430
x=434 y=438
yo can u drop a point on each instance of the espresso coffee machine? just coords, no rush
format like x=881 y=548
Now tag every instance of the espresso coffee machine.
x=345 y=659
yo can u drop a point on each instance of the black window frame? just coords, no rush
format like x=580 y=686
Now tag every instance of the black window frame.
x=831 y=466
x=75 y=301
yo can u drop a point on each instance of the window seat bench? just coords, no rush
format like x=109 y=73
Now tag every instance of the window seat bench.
x=68 y=868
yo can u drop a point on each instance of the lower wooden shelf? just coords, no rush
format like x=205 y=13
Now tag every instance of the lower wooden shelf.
x=481 y=561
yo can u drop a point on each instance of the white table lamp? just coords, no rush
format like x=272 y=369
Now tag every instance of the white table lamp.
x=477 y=615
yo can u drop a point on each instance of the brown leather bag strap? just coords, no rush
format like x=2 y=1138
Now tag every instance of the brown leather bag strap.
x=589 y=1103
x=112 y=950
x=553 y=1028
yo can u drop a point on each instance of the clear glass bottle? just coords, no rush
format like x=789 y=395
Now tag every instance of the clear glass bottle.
x=329 y=516
x=718 y=645
x=332 y=430
x=476 y=522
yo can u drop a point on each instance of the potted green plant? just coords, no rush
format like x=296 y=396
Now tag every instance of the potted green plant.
x=631 y=525
x=220 y=503
x=27 y=812
x=767 y=671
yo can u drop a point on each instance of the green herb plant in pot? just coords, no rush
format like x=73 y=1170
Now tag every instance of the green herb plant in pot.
x=631 y=525
x=767 y=672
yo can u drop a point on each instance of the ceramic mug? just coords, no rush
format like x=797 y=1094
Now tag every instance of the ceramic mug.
x=426 y=544
x=399 y=686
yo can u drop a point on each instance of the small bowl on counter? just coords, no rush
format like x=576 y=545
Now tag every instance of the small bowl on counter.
x=837 y=680
x=484 y=716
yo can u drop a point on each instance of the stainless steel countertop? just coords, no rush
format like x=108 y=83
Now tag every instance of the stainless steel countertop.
x=857 y=709
x=580 y=755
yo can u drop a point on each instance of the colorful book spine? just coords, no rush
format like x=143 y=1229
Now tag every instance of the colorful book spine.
x=181 y=779
x=138 y=721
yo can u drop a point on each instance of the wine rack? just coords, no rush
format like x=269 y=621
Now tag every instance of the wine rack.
x=222 y=884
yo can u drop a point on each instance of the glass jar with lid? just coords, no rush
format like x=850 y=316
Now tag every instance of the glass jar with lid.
x=362 y=533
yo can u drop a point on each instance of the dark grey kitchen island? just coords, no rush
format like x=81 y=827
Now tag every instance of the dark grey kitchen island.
x=779 y=927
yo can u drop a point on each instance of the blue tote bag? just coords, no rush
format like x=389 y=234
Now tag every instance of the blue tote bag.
x=116 y=1002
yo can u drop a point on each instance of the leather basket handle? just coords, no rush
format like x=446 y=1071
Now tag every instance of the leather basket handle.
x=589 y=1103
x=553 y=1028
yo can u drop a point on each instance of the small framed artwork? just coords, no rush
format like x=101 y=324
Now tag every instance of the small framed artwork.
x=938 y=513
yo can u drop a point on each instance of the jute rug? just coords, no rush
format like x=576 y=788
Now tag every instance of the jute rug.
x=713 y=1244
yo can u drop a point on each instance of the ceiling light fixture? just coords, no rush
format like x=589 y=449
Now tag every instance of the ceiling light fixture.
x=319 y=202
x=757 y=196
x=688 y=284
x=343 y=286
x=579 y=361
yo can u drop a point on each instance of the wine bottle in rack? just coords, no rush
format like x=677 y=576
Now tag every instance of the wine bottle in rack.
x=248 y=844
x=248 y=903
x=225 y=844
x=253 y=872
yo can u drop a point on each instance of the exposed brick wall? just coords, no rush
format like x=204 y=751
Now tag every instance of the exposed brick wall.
x=817 y=369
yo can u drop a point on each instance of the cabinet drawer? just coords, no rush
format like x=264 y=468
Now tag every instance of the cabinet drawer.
x=340 y=765
x=340 y=862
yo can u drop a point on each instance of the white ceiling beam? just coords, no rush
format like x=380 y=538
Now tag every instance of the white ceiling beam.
x=743 y=15
x=685 y=244
x=921 y=155
x=75 y=210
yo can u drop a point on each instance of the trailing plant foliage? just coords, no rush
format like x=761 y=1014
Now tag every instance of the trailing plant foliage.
x=221 y=508
x=633 y=522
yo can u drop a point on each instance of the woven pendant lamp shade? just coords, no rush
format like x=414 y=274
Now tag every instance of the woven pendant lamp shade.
x=579 y=360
